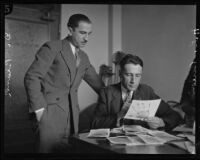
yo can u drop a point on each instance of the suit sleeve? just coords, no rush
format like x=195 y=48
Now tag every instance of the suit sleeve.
x=92 y=78
x=35 y=75
x=170 y=117
x=103 y=118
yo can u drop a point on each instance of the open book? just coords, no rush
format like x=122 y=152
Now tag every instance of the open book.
x=141 y=109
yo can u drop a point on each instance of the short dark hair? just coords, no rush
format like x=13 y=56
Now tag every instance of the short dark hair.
x=74 y=20
x=129 y=58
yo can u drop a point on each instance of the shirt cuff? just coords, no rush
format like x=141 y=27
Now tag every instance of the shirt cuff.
x=41 y=109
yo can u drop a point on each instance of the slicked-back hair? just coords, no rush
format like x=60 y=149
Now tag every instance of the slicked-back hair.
x=130 y=59
x=74 y=20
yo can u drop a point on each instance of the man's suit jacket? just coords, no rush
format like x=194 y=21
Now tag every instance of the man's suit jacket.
x=54 y=79
x=110 y=103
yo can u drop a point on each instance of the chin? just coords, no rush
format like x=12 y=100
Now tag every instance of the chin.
x=132 y=89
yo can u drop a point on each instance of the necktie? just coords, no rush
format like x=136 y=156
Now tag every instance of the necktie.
x=128 y=100
x=124 y=108
x=77 y=57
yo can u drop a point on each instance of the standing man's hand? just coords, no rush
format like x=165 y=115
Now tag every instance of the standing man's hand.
x=39 y=113
x=155 y=122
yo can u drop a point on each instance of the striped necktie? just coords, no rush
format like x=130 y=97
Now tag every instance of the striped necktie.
x=77 y=57
x=128 y=100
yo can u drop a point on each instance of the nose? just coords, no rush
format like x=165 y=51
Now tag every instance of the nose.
x=86 y=37
x=132 y=79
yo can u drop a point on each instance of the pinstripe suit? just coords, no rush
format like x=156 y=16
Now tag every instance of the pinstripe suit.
x=52 y=82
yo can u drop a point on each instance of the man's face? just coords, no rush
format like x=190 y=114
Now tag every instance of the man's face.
x=131 y=76
x=81 y=33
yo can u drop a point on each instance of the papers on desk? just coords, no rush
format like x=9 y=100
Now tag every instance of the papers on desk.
x=138 y=135
x=141 y=109
x=99 y=133
x=186 y=145
x=164 y=136
x=183 y=128
x=134 y=129
x=126 y=140
x=189 y=136
x=140 y=139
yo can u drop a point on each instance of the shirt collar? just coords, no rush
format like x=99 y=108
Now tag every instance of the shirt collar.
x=124 y=92
x=72 y=47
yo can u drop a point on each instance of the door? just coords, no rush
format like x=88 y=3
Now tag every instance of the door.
x=26 y=29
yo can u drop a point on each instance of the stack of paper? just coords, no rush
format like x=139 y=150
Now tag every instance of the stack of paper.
x=99 y=133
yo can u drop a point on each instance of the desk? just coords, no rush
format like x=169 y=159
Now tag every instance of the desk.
x=101 y=145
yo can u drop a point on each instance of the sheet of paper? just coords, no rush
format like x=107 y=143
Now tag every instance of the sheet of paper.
x=189 y=136
x=134 y=128
x=183 y=128
x=116 y=130
x=164 y=136
x=105 y=132
x=190 y=147
x=141 y=109
x=151 y=139
x=126 y=140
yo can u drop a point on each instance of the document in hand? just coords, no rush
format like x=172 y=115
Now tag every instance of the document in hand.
x=141 y=109
x=99 y=133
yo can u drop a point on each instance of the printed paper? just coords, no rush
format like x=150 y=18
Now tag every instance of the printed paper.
x=141 y=109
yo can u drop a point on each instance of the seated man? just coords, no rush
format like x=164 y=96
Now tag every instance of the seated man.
x=187 y=101
x=110 y=110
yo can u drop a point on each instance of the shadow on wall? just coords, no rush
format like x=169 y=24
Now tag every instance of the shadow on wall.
x=86 y=117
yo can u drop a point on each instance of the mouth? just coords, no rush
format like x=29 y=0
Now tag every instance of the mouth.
x=132 y=86
x=83 y=43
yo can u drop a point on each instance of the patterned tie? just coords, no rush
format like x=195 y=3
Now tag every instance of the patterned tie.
x=77 y=57
x=128 y=101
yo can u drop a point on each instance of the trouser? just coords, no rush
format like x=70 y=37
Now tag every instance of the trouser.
x=53 y=130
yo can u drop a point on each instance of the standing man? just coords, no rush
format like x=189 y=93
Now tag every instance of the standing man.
x=52 y=83
x=114 y=100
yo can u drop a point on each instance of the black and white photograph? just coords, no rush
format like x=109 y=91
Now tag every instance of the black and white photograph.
x=73 y=69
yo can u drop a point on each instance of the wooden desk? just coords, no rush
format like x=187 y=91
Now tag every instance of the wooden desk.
x=83 y=144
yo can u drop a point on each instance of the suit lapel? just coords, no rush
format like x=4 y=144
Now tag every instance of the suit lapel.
x=117 y=97
x=69 y=58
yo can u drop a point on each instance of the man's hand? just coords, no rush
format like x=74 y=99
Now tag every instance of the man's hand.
x=155 y=122
x=39 y=114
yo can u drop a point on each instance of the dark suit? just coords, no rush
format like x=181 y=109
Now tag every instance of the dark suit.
x=52 y=82
x=110 y=103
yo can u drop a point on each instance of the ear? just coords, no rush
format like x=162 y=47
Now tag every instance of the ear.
x=70 y=30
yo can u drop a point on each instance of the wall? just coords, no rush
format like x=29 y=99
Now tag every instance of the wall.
x=97 y=47
x=162 y=36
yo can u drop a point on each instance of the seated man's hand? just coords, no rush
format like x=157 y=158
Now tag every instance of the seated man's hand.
x=155 y=122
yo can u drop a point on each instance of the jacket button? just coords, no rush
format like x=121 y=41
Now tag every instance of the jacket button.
x=57 y=98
